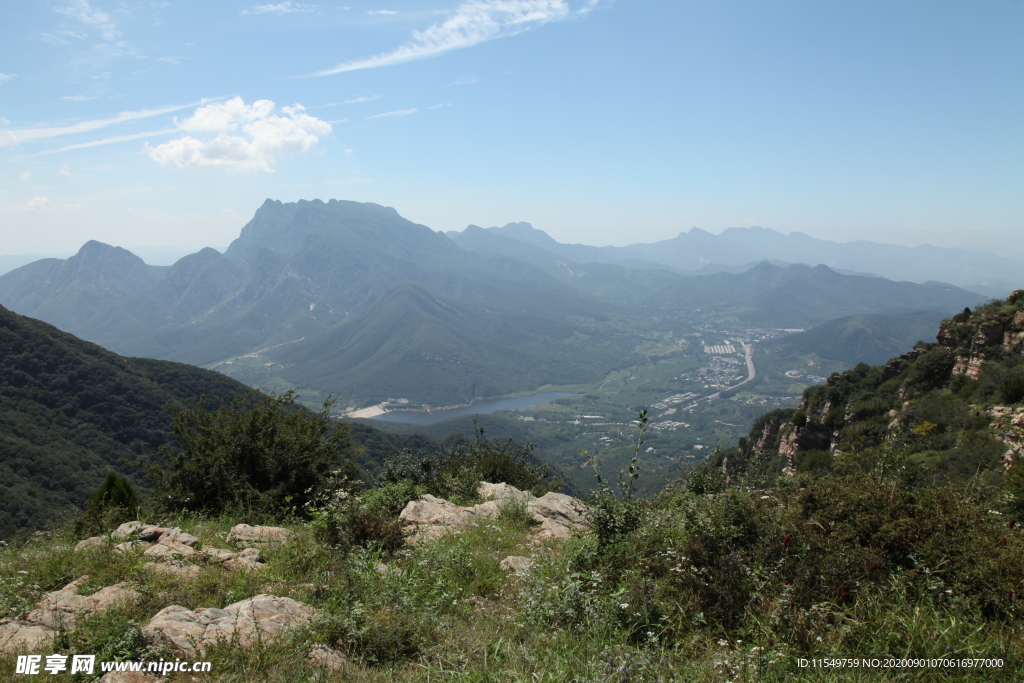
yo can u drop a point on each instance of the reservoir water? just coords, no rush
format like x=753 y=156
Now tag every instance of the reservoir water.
x=480 y=407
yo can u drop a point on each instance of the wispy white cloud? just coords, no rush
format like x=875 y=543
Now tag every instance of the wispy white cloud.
x=263 y=137
x=438 y=106
x=400 y=112
x=85 y=13
x=17 y=136
x=473 y=22
x=465 y=80
x=105 y=141
x=25 y=177
x=363 y=98
x=281 y=8
x=5 y=77
x=381 y=11
x=78 y=98
x=66 y=171
x=37 y=204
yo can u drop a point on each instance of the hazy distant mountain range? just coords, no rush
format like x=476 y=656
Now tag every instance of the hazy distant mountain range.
x=352 y=298
x=698 y=250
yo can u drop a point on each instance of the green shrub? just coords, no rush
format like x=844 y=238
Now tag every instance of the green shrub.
x=455 y=472
x=613 y=517
x=1011 y=390
x=515 y=512
x=260 y=453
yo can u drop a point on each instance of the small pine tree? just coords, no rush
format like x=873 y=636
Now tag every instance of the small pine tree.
x=114 y=492
x=113 y=502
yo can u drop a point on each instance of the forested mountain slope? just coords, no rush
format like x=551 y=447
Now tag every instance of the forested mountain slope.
x=70 y=411
x=865 y=338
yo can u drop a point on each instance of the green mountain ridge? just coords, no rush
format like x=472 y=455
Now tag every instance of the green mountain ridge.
x=335 y=297
x=982 y=271
x=866 y=338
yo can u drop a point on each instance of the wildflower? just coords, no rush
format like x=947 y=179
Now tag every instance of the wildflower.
x=872 y=567
x=785 y=541
x=1001 y=542
x=723 y=643
x=624 y=605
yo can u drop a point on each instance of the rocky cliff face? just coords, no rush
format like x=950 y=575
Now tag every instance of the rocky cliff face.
x=944 y=400
x=975 y=339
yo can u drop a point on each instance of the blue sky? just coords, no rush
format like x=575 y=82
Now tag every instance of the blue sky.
x=168 y=123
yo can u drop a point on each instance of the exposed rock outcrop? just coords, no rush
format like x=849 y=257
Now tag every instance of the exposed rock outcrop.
x=516 y=564
x=768 y=434
x=247 y=622
x=1009 y=428
x=60 y=610
x=173 y=551
x=431 y=517
x=328 y=658
x=810 y=436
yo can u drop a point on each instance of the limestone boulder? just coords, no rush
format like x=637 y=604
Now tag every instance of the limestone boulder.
x=559 y=515
x=429 y=517
x=516 y=564
x=19 y=635
x=246 y=622
x=150 y=533
x=91 y=542
x=60 y=610
x=126 y=530
x=500 y=492
x=245 y=561
x=179 y=536
x=128 y=546
x=328 y=658
x=259 y=536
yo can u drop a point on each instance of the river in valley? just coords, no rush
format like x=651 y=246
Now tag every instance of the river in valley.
x=480 y=407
